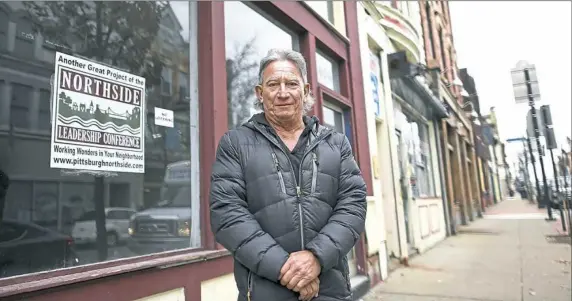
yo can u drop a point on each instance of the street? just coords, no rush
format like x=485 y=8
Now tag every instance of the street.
x=507 y=255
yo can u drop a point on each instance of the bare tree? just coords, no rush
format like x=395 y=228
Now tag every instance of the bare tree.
x=241 y=78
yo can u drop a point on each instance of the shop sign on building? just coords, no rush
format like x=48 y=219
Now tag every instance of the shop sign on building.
x=97 y=117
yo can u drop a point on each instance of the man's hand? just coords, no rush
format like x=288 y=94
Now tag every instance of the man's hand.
x=300 y=269
x=310 y=291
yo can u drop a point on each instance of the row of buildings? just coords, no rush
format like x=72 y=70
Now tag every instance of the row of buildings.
x=383 y=72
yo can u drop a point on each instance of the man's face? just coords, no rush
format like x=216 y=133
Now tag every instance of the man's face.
x=282 y=90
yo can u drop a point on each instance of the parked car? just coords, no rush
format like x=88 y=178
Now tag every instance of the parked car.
x=166 y=226
x=28 y=248
x=116 y=226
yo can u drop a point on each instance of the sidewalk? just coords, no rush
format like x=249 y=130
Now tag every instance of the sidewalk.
x=505 y=256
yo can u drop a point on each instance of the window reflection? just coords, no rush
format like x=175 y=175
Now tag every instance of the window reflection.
x=323 y=8
x=328 y=72
x=248 y=37
x=60 y=210
x=415 y=135
x=333 y=118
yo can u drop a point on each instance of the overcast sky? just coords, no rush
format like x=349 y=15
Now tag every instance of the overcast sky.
x=492 y=36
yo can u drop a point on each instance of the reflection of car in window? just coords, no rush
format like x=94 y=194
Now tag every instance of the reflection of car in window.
x=19 y=245
x=116 y=225
x=167 y=225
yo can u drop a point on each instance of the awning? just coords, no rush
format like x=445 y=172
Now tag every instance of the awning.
x=419 y=97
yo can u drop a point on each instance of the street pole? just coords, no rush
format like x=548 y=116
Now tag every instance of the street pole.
x=545 y=197
x=567 y=200
x=555 y=170
x=533 y=162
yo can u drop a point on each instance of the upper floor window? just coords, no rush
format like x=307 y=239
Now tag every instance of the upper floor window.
x=331 y=11
x=333 y=117
x=328 y=71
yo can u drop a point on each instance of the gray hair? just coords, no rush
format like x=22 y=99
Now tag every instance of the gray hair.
x=297 y=59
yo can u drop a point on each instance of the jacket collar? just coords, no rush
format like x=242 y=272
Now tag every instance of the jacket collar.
x=312 y=124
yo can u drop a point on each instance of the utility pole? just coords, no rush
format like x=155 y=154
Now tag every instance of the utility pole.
x=533 y=162
x=551 y=145
x=567 y=199
x=525 y=88
x=545 y=197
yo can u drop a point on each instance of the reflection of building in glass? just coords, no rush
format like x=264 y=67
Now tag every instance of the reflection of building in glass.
x=44 y=195
x=183 y=50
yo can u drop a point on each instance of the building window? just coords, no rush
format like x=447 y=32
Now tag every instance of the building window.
x=144 y=207
x=333 y=117
x=331 y=11
x=44 y=110
x=249 y=34
x=419 y=157
x=3 y=29
x=442 y=47
x=324 y=8
x=166 y=80
x=430 y=29
x=415 y=156
x=20 y=105
x=24 y=42
x=328 y=71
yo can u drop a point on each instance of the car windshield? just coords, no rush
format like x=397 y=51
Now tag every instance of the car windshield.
x=175 y=196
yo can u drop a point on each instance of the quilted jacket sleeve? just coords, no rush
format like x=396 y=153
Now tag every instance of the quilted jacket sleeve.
x=231 y=221
x=347 y=222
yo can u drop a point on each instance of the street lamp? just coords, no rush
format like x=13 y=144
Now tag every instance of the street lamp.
x=525 y=87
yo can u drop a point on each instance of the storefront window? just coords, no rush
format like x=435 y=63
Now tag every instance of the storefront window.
x=419 y=159
x=249 y=34
x=415 y=135
x=333 y=118
x=328 y=71
x=94 y=132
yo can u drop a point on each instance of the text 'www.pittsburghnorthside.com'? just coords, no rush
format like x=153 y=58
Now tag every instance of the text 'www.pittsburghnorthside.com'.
x=105 y=160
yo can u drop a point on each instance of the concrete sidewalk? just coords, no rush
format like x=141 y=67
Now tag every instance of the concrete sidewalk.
x=505 y=256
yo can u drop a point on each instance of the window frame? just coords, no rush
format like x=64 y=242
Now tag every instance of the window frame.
x=428 y=171
x=336 y=72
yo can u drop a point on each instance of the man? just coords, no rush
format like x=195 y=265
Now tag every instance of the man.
x=287 y=197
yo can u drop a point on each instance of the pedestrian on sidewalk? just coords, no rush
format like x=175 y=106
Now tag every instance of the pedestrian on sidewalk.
x=287 y=197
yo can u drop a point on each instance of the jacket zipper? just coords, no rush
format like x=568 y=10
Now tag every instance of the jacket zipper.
x=298 y=189
x=314 y=171
x=280 y=177
x=249 y=282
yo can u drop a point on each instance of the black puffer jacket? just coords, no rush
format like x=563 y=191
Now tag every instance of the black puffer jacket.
x=261 y=213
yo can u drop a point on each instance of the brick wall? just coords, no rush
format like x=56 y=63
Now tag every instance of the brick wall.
x=438 y=41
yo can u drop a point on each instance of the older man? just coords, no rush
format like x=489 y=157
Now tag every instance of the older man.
x=287 y=197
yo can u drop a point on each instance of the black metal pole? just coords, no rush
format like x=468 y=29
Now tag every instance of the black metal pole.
x=533 y=162
x=555 y=170
x=545 y=197
x=497 y=197
x=567 y=199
